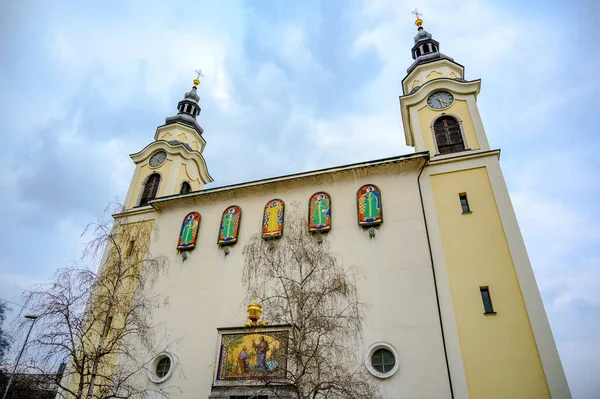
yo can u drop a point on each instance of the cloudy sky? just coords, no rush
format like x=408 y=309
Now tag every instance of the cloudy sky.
x=295 y=86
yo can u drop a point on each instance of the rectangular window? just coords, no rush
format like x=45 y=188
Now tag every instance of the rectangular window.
x=487 y=300
x=107 y=326
x=130 y=248
x=464 y=203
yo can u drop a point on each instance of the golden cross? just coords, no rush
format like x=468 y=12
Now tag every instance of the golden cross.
x=198 y=74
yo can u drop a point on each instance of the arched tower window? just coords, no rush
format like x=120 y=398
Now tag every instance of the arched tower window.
x=448 y=135
x=185 y=188
x=150 y=188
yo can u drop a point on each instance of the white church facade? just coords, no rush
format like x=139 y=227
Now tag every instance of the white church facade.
x=452 y=300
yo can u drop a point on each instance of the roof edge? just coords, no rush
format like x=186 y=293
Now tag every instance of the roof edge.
x=253 y=183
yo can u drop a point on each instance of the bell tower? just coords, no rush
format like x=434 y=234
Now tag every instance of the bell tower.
x=439 y=107
x=173 y=162
x=497 y=338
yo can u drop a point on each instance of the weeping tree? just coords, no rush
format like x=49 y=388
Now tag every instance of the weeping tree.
x=299 y=282
x=4 y=342
x=100 y=322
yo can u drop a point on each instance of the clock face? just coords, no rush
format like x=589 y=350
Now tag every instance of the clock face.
x=158 y=159
x=440 y=100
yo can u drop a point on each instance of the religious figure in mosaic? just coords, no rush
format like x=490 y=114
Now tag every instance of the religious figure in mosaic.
x=230 y=224
x=319 y=212
x=243 y=361
x=273 y=219
x=189 y=231
x=253 y=355
x=261 y=353
x=369 y=205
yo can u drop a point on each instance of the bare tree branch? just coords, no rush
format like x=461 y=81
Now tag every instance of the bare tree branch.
x=298 y=281
x=100 y=323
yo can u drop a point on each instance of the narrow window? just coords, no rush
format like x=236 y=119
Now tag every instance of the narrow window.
x=107 y=326
x=487 y=300
x=130 y=248
x=185 y=188
x=464 y=203
x=448 y=135
x=150 y=188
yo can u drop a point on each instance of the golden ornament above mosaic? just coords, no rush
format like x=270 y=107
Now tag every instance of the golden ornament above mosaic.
x=254 y=311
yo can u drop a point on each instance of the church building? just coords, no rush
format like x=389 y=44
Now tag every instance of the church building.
x=454 y=308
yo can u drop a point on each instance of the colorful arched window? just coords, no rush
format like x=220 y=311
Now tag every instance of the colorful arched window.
x=448 y=135
x=150 y=188
x=189 y=231
x=370 y=209
x=319 y=212
x=230 y=225
x=273 y=219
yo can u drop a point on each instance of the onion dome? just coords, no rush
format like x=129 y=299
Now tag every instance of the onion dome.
x=426 y=49
x=188 y=109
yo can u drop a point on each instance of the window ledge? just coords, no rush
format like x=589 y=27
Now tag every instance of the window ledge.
x=467 y=213
x=489 y=313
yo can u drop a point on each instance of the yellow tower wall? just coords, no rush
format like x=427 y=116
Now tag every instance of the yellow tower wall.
x=460 y=109
x=499 y=352
x=114 y=257
x=185 y=176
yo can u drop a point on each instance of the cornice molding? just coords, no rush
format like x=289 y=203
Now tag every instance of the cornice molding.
x=177 y=149
x=403 y=162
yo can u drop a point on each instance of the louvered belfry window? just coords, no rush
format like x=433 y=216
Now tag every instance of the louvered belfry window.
x=150 y=188
x=447 y=135
x=185 y=188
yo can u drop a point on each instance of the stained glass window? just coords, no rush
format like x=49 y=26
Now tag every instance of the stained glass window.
x=370 y=210
x=319 y=212
x=273 y=219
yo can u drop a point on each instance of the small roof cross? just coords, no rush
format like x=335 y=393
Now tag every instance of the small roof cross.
x=417 y=13
x=198 y=74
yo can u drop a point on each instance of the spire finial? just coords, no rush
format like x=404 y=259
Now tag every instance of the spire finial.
x=198 y=74
x=419 y=21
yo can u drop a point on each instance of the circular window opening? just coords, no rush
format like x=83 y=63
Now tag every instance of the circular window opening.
x=162 y=367
x=383 y=360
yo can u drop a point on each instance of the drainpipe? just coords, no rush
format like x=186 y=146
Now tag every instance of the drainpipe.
x=437 y=297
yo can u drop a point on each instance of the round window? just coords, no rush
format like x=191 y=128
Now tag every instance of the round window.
x=383 y=360
x=162 y=367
